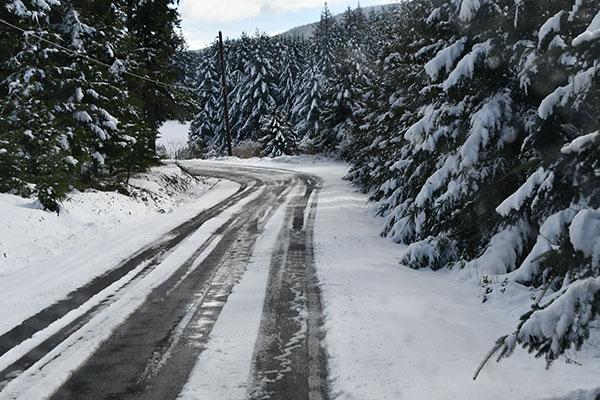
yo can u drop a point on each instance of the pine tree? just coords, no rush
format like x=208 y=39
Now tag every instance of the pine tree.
x=347 y=82
x=98 y=112
x=207 y=132
x=257 y=90
x=308 y=106
x=278 y=136
x=35 y=146
x=155 y=29
x=68 y=120
x=291 y=66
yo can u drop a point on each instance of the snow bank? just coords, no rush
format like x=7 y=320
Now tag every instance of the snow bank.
x=30 y=235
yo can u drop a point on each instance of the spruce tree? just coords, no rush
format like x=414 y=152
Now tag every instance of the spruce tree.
x=257 y=90
x=155 y=30
x=278 y=136
x=308 y=106
x=35 y=147
x=207 y=132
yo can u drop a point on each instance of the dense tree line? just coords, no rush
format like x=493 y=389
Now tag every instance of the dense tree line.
x=473 y=126
x=316 y=84
x=71 y=113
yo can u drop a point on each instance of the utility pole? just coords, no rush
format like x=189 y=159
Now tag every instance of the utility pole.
x=225 y=94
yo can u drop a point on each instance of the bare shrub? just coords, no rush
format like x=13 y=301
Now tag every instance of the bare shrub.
x=247 y=149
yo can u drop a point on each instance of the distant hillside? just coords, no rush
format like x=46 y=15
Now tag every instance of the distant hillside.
x=309 y=29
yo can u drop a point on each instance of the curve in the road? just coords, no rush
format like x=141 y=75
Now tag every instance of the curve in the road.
x=151 y=354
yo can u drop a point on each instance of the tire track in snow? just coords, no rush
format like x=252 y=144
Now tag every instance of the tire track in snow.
x=130 y=271
x=77 y=298
x=151 y=355
x=289 y=361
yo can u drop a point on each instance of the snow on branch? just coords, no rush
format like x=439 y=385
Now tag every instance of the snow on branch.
x=515 y=201
x=581 y=144
x=445 y=59
x=468 y=9
x=591 y=33
x=584 y=234
x=551 y=26
x=560 y=325
x=579 y=86
x=551 y=231
x=432 y=252
x=466 y=66
x=503 y=251
x=489 y=118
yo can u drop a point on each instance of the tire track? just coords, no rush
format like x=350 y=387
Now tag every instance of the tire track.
x=152 y=353
x=152 y=252
x=289 y=361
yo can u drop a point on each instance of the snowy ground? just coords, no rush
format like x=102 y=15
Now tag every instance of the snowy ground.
x=392 y=333
x=43 y=256
x=395 y=333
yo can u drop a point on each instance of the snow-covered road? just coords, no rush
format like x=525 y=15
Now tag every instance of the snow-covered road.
x=137 y=330
x=278 y=288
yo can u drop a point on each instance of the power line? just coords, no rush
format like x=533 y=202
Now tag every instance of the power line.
x=77 y=54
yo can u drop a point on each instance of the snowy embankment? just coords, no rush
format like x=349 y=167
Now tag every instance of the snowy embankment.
x=396 y=333
x=44 y=256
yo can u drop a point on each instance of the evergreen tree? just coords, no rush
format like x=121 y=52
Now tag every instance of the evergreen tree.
x=35 y=147
x=278 y=136
x=291 y=66
x=207 y=132
x=308 y=106
x=347 y=82
x=67 y=118
x=257 y=91
x=155 y=27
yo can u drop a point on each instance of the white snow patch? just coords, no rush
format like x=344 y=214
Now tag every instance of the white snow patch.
x=580 y=144
x=173 y=137
x=552 y=25
x=445 y=59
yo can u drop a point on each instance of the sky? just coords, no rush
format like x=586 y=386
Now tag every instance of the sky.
x=202 y=19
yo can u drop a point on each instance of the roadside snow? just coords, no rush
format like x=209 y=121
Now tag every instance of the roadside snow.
x=396 y=333
x=44 y=256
